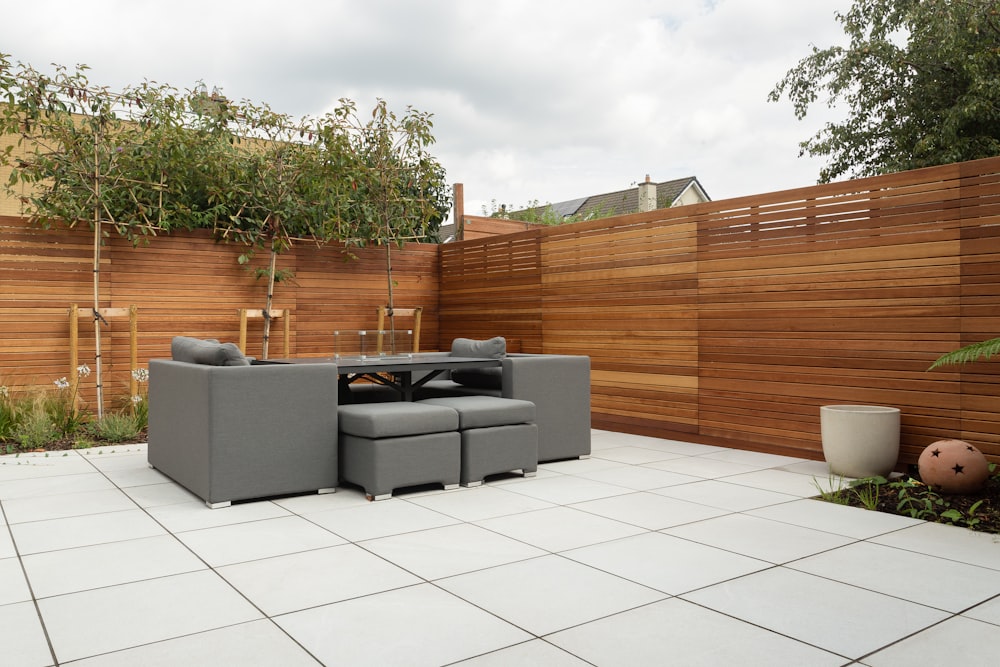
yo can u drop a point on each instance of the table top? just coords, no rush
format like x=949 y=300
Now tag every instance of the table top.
x=422 y=361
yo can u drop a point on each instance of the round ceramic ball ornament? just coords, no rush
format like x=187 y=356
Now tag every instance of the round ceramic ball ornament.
x=953 y=466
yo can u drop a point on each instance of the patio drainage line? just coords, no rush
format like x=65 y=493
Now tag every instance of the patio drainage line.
x=31 y=590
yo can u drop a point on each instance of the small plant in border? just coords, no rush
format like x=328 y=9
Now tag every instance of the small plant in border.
x=62 y=408
x=140 y=401
x=867 y=490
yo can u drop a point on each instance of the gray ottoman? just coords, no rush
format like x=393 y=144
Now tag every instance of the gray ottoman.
x=386 y=446
x=498 y=435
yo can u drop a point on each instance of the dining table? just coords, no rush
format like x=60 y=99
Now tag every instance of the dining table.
x=396 y=371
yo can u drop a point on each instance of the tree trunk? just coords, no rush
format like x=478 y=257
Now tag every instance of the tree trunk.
x=270 y=299
x=97 y=286
x=392 y=312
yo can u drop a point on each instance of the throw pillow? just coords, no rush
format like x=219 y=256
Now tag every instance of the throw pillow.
x=494 y=348
x=207 y=352
x=232 y=356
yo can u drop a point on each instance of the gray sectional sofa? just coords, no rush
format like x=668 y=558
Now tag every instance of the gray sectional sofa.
x=227 y=430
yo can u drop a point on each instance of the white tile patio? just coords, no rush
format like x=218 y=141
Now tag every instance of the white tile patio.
x=650 y=552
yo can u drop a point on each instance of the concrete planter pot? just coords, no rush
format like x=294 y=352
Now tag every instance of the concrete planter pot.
x=860 y=440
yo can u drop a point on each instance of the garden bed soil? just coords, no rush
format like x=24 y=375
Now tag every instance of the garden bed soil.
x=926 y=504
x=76 y=443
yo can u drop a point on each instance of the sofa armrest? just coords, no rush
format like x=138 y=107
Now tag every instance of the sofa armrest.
x=559 y=386
x=233 y=432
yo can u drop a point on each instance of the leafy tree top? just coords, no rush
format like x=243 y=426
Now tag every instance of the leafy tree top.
x=920 y=79
x=152 y=158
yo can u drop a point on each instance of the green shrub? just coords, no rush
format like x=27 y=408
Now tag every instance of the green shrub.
x=10 y=415
x=115 y=427
x=36 y=428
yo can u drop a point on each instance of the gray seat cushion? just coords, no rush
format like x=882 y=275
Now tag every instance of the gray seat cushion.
x=391 y=420
x=486 y=411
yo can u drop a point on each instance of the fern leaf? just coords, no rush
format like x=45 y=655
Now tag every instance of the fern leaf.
x=965 y=355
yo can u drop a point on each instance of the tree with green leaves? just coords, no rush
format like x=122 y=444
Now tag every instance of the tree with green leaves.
x=920 y=79
x=75 y=160
x=282 y=184
x=151 y=159
x=400 y=193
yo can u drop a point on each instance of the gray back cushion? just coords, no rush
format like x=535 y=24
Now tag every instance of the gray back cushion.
x=207 y=352
x=493 y=348
x=479 y=378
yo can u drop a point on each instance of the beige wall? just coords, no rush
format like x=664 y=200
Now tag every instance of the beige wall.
x=8 y=205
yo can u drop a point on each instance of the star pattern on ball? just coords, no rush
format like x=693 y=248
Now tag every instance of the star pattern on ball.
x=959 y=469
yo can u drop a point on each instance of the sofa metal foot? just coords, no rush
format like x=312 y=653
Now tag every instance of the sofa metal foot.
x=529 y=474
x=449 y=487
x=471 y=484
x=218 y=506
x=380 y=496
x=332 y=489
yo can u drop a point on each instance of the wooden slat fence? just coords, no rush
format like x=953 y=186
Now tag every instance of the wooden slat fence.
x=185 y=284
x=729 y=321
x=734 y=321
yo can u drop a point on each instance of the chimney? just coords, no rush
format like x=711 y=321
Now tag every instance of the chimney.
x=647 y=196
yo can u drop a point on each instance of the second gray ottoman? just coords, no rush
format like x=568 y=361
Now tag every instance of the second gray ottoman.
x=498 y=435
x=385 y=446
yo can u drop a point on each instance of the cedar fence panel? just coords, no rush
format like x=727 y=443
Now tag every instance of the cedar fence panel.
x=734 y=321
x=185 y=284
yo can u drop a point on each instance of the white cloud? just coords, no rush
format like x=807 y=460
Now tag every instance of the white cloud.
x=532 y=99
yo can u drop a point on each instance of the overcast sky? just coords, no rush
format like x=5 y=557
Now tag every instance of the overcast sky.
x=542 y=100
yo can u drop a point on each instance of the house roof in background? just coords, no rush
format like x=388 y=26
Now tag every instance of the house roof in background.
x=622 y=201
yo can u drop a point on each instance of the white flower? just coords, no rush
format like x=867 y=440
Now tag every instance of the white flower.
x=83 y=370
x=61 y=383
x=136 y=399
x=4 y=393
x=140 y=374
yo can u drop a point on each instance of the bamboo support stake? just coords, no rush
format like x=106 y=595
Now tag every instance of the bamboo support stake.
x=255 y=313
x=75 y=313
